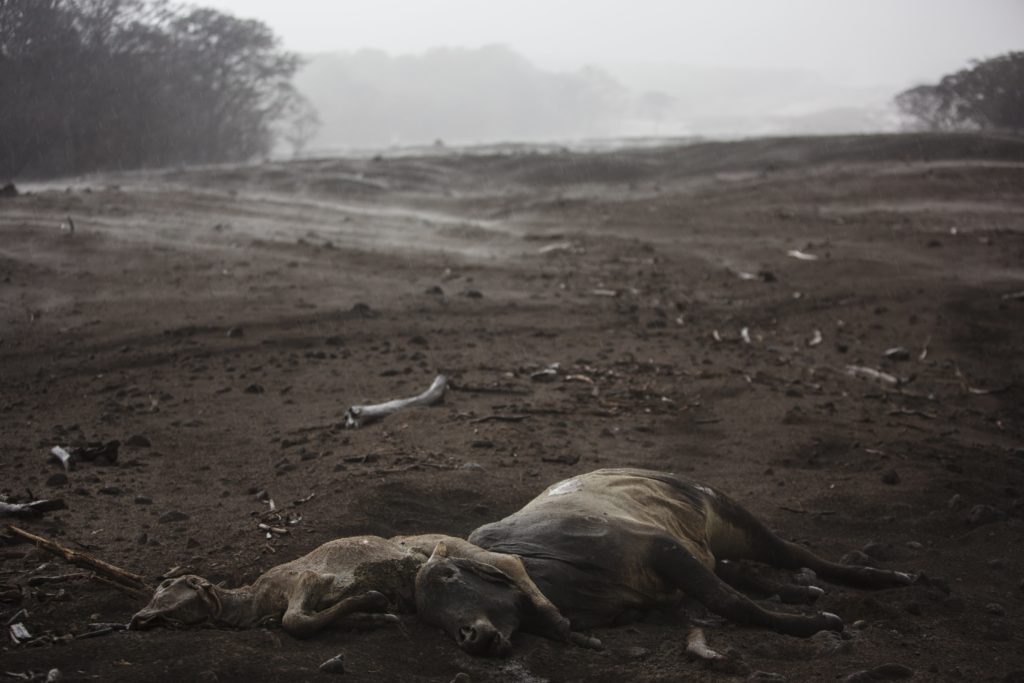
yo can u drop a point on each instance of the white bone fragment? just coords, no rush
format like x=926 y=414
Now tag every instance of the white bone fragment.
x=357 y=416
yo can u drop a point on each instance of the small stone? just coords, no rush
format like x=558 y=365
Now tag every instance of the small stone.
x=983 y=514
x=765 y=677
x=419 y=340
x=878 y=551
x=173 y=516
x=885 y=672
x=137 y=441
x=914 y=545
x=891 y=477
x=473 y=294
x=57 y=479
x=482 y=443
x=334 y=665
x=956 y=502
x=857 y=559
x=235 y=332
x=860 y=624
x=254 y=389
x=143 y=500
x=996 y=609
x=897 y=353
x=635 y=652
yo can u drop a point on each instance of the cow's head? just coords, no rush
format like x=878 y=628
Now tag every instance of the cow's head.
x=183 y=601
x=476 y=603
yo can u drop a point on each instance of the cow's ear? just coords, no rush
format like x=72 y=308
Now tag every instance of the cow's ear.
x=440 y=552
x=487 y=572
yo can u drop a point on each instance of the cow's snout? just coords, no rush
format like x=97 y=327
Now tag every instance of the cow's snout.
x=482 y=638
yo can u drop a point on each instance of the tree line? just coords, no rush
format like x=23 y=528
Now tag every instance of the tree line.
x=107 y=84
x=989 y=95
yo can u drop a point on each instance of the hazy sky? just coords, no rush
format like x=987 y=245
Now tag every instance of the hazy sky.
x=863 y=42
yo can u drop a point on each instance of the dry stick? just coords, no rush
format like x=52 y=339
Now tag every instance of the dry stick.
x=124 y=579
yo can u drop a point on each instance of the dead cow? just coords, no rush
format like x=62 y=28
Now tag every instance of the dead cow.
x=605 y=547
x=354 y=579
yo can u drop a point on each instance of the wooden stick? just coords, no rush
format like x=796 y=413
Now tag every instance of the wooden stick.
x=81 y=559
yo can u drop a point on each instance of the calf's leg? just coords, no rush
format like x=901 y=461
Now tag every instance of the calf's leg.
x=678 y=567
x=301 y=622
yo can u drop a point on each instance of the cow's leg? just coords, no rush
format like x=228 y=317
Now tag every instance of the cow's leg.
x=741 y=575
x=681 y=569
x=735 y=534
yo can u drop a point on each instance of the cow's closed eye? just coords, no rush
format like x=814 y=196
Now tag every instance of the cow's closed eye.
x=447 y=573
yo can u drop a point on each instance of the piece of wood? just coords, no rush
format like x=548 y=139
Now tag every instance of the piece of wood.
x=112 y=572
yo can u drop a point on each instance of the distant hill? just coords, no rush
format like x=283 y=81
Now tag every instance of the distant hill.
x=370 y=99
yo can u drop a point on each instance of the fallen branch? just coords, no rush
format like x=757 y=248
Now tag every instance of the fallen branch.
x=357 y=416
x=123 y=578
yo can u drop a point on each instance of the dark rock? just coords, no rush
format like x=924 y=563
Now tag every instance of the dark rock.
x=857 y=558
x=334 y=665
x=137 y=441
x=235 y=332
x=983 y=514
x=562 y=458
x=878 y=551
x=57 y=479
x=473 y=294
x=143 y=500
x=891 y=477
x=482 y=443
x=434 y=291
x=173 y=516
x=765 y=677
x=254 y=389
x=364 y=310
x=897 y=353
x=884 y=672
x=419 y=340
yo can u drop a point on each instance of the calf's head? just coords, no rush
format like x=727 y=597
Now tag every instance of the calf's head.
x=184 y=601
x=475 y=603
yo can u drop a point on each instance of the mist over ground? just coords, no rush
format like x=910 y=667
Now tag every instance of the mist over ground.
x=369 y=98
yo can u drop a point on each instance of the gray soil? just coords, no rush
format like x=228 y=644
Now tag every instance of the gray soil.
x=230 y=315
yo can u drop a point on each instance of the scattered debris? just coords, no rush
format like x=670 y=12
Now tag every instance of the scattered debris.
x=871 y=373
x=19 y=634
x=64 y=457
x=815 y=339
x=90 y=452
x=357 y=416
x=34 y=509
x=118 y=577
x=801 y=255
x=547 y=373
x=899 y=353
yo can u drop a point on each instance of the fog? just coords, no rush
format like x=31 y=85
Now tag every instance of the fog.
x=385 y=72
